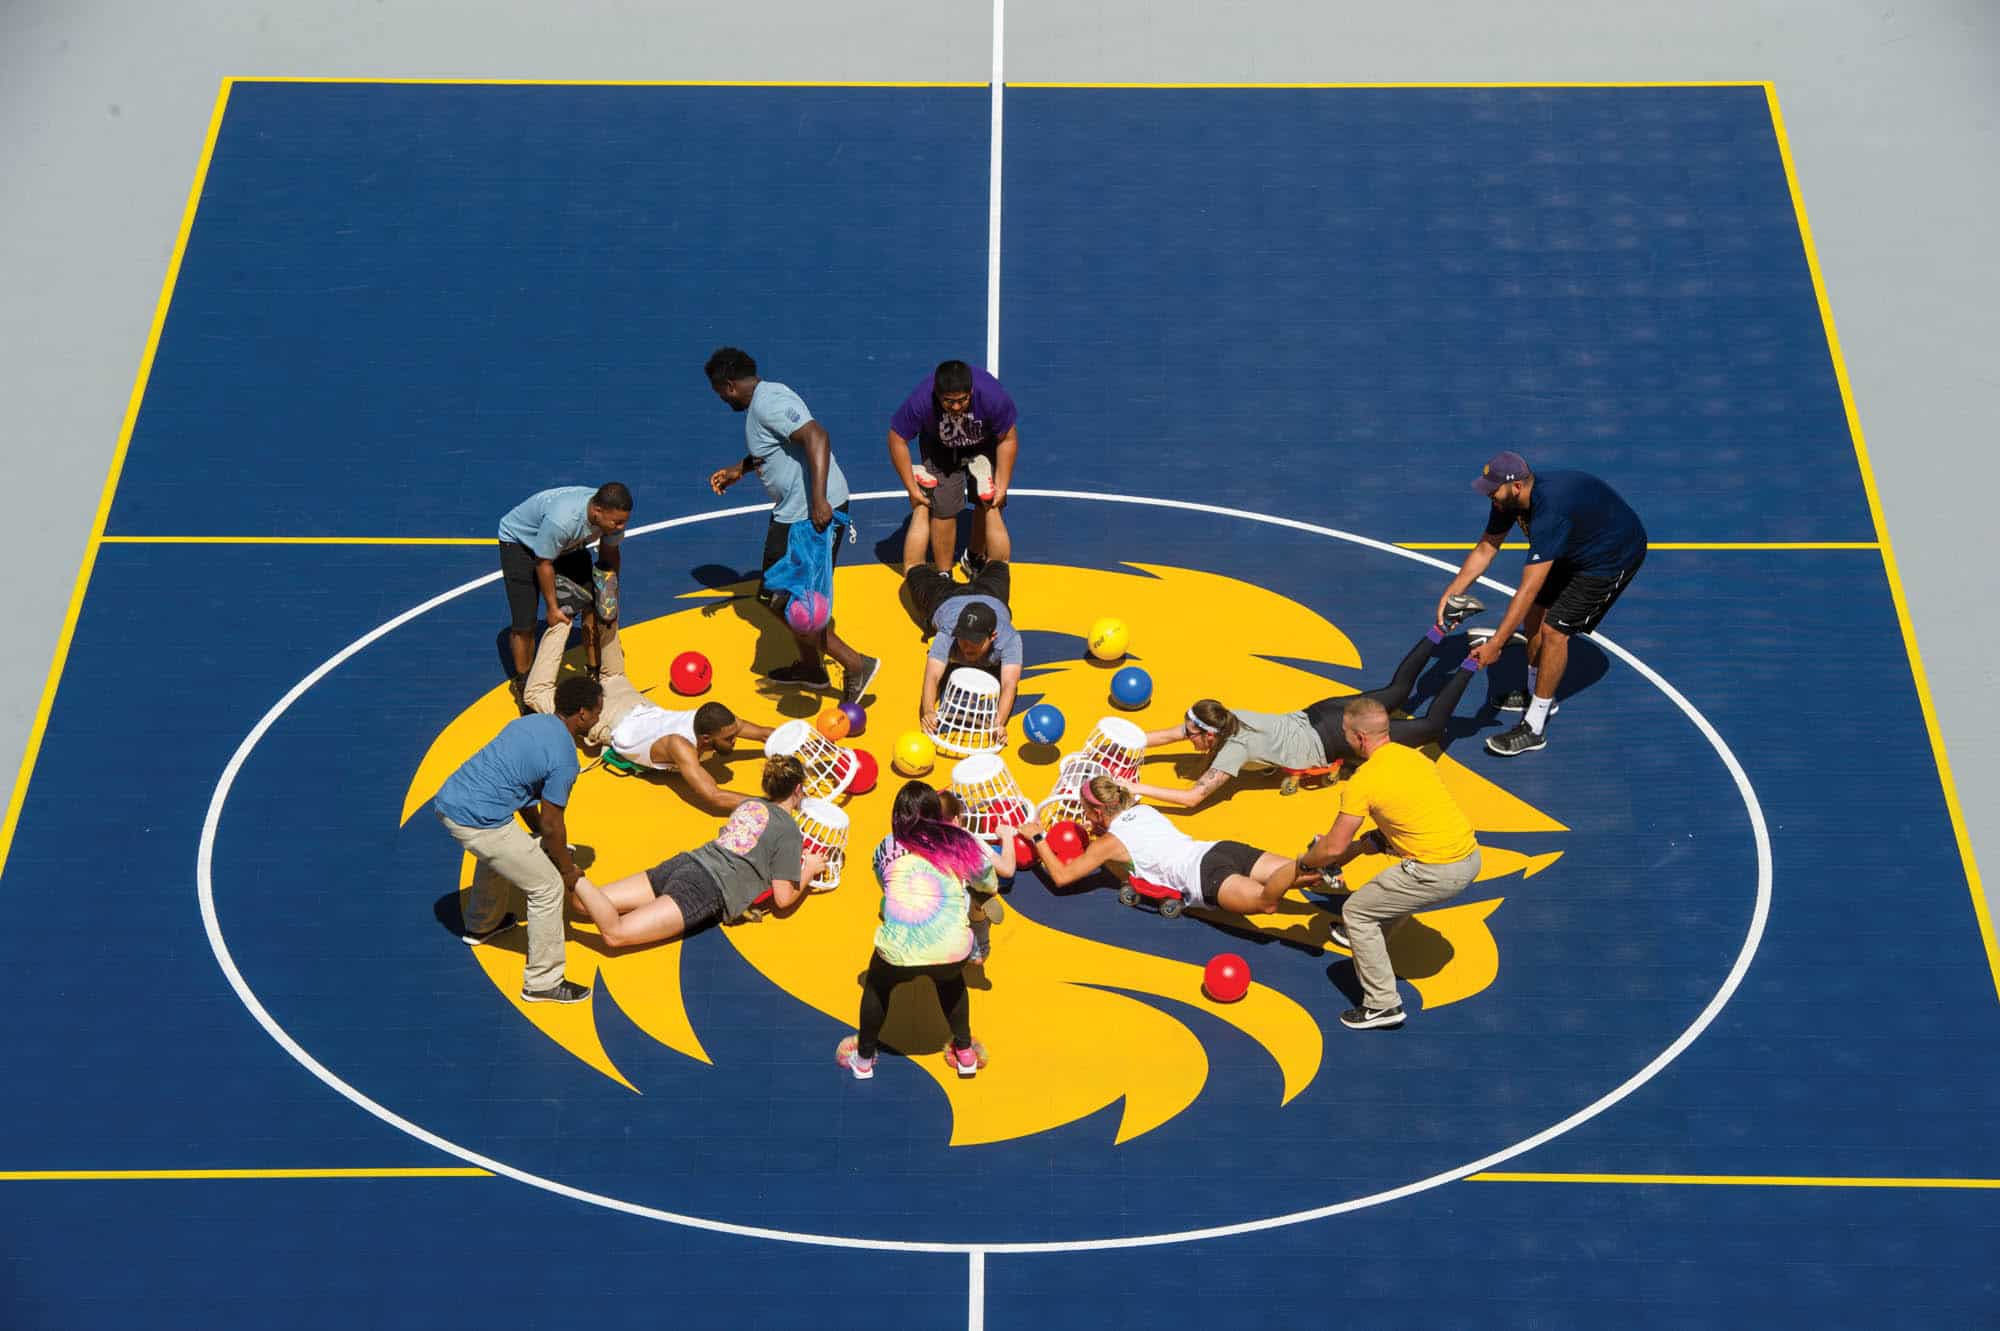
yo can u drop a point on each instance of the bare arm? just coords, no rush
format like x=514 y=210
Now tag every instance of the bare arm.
x=786 y=895
x=933 y=676
x=1010 y=682
x=899 y=457
x=725 y=477
x=751 y=730
x=1476 y=561
x=545 y=578
x=1192 y=798
x=812 y=438
x=701 y=785
x=1003 y=463
x=1095 y=856
x=1340 y=844
x=555 y=843
x=1171 y=734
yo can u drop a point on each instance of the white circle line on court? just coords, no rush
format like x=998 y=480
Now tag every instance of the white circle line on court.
x=205 y=859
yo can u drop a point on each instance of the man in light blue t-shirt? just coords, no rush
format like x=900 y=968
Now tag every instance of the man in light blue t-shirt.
x=791 y=454
x=531 y=761
x=547 y=536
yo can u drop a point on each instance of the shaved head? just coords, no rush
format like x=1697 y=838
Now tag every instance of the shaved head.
x=1366 y=716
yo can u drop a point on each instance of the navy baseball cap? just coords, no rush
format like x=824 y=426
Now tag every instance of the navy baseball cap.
x=1503 y=468
x=976 y=621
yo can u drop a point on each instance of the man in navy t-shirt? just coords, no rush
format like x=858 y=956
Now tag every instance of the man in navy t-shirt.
x=1585 y=544
x=964 y=424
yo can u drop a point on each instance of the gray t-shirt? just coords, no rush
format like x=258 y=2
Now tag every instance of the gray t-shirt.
x=776 y=414
x=760 y=843
x=1006 y=649
x=1270 y=739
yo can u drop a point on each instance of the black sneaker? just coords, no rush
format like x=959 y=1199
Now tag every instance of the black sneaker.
x=969 y=564
x=854 y=684
x=813 y=677
x=517 y=689
x=1366 y=1018
x=1517 y=700
x=1479 y=635
x=1458 y=609
x=1513 y=743
x=471 y=939
x=566 y=992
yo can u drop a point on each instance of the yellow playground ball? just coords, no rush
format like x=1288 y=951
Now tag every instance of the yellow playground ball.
x=915 y=754
x=1108 y=639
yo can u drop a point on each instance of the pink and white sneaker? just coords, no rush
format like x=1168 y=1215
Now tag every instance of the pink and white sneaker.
x=925 y=476
x=981 y=470
x=966 y=1062
x=847 y=1054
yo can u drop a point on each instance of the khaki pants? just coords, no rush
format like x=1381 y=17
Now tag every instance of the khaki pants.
x=1384 y=902
x=506 y=855
x=620 y=697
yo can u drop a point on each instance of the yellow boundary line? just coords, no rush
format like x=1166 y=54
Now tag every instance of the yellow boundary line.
x=1288 y=87
x=40 y=725
x=144 y=1175
x=981 y=84
x=1740 y=1180
x=1917 y=675
x=615 y=83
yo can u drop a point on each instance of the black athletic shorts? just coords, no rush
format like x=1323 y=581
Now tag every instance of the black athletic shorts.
x=1576 y=603
x=778 y=539
x=1220 y=861
x=692 y=888
x=517 y=575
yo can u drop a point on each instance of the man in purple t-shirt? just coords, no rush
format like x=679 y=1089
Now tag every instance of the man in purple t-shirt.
x=963 y=422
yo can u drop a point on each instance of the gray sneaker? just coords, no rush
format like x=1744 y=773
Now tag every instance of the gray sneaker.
x=1458 y=609
x=1517 y=700
x=854 y=685
x=471 y=939
x=1513 y=743
x=566 y=992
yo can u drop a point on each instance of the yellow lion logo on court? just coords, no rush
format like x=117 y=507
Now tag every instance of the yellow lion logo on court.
x=1069 y=1019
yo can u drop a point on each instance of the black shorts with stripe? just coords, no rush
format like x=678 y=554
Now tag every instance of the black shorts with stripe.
x=1576 y=603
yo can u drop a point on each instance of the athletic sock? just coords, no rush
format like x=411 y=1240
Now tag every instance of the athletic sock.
x=1538 y=713
x=1435 y=634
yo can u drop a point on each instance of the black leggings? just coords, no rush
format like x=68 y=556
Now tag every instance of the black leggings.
x=1325 y=716
x=882 y=980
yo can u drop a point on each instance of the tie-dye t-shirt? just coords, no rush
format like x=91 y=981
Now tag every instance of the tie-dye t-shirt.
x=759 y=844
x=923 y=908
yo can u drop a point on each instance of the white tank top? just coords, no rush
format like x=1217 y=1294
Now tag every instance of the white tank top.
x=1160 y=852
x=635 y=734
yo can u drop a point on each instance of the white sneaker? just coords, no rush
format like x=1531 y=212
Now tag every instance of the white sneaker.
x=981 y=469
x=925 y=477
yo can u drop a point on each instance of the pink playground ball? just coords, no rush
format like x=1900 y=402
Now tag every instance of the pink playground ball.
x=807 y=612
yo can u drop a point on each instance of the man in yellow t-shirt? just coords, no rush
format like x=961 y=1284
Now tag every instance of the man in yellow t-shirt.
x=1416 y=818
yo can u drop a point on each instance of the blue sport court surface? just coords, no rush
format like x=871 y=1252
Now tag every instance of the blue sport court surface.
x=1714 y=1041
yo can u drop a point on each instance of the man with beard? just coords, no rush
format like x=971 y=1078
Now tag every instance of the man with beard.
x=1585 y=545
x=963 y=422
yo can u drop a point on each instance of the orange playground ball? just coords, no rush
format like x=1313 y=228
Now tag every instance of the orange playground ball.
x=833 y=724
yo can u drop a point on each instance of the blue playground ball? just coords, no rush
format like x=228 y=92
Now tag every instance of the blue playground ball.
x=1131 y=687
x=1043 y=724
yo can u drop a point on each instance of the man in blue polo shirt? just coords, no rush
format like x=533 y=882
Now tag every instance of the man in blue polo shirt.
x=547 y=536
x=531 y=761
x=973 y=627
x=1585 y=545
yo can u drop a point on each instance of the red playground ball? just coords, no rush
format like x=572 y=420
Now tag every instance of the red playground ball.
x=1066 y=840
x=691 y=674
x=1226 y=978
x=865 y=773
x=1024 y=852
